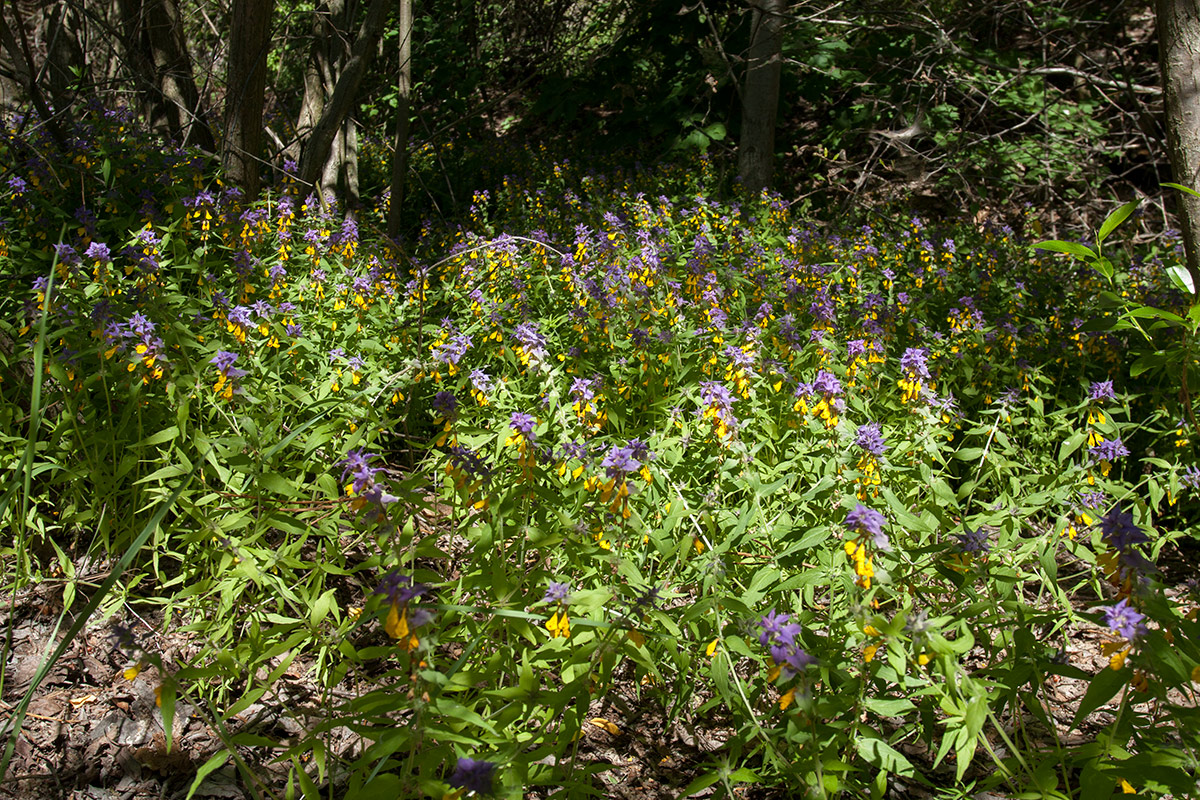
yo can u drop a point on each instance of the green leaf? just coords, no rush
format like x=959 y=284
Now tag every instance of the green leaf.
x=1183 y=188
x=307 y=785
x=276 y=483
x=744 y=775
x=1147 y=362
x=1070 y=248
x=166 y=701
x=1150 y=312
x=1070 y=446
x=382 y=787
x=214 y=763
x=699 y=784
x=321 y=608
x=888 y=707
x=1104 y=687
x=1182 y=279
x=165 y=435
x=1115 y=219
x=169 y=471
x=881 y=754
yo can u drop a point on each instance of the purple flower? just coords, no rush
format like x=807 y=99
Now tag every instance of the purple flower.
x=531 y=339
x=223 y=361
x=1109 y=450
x=827 y=384
x=523 y=424
x=240 y=316
x=870 y=438
x=869 y=521
x=791 y=659
x=468 y=462
x=1119 y=531
x=481 y=381
x=66 y=254
x=620 y=461
x=972 y=541
x=1102 y=390
x=446 y=405
x=98 y=252
x=357 y=464
x=399 y=588
x=474 y=776
x=1190 y=479
x=716 y=395
x=452 y=351
x=557 y=593
x=584 y=389
x=914 y=362
x=776 y=628
x=1126 y=622
x=778 y=635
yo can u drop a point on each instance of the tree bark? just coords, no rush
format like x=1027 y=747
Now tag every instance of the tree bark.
x=1179 y=59
x=349 y=170
x=344 y=96
x=25 y=69
x=245 y=91
x=318 y=84
x=403 y=101
x=760 y=96
x=66 y=68
x=154 y=41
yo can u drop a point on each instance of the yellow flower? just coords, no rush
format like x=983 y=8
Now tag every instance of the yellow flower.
x=396 y=627
x=559 y=625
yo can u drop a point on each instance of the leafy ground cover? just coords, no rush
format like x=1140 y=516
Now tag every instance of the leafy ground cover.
x=836 y=501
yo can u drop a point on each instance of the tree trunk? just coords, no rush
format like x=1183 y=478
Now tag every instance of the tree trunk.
x=350 y=164
x=66 y=68
x=333 y=165
x=154 y=41
x=316 y=73
x=245 y=91
x=760 y=96
x=22 y=59
x=403 y=100
x=344 y=96
x=1179 y=58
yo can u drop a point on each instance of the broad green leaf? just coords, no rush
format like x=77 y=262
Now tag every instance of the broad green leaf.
x=165 y=435
x=881 y=754
x=1068 y=448
x=699 y=784
x=169 y=471
x=1149 y=312
x=1147 y=362
x=1182 y=279
x=320 y=609
x=382 y=787
x=277 y=484
x=1115 y=219
x=1104 y=687
x=166 y=702
x=1070 y=248
x=1183 y=188
x=214 y=763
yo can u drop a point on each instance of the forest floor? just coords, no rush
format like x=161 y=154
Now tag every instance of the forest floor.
x=92 y=734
